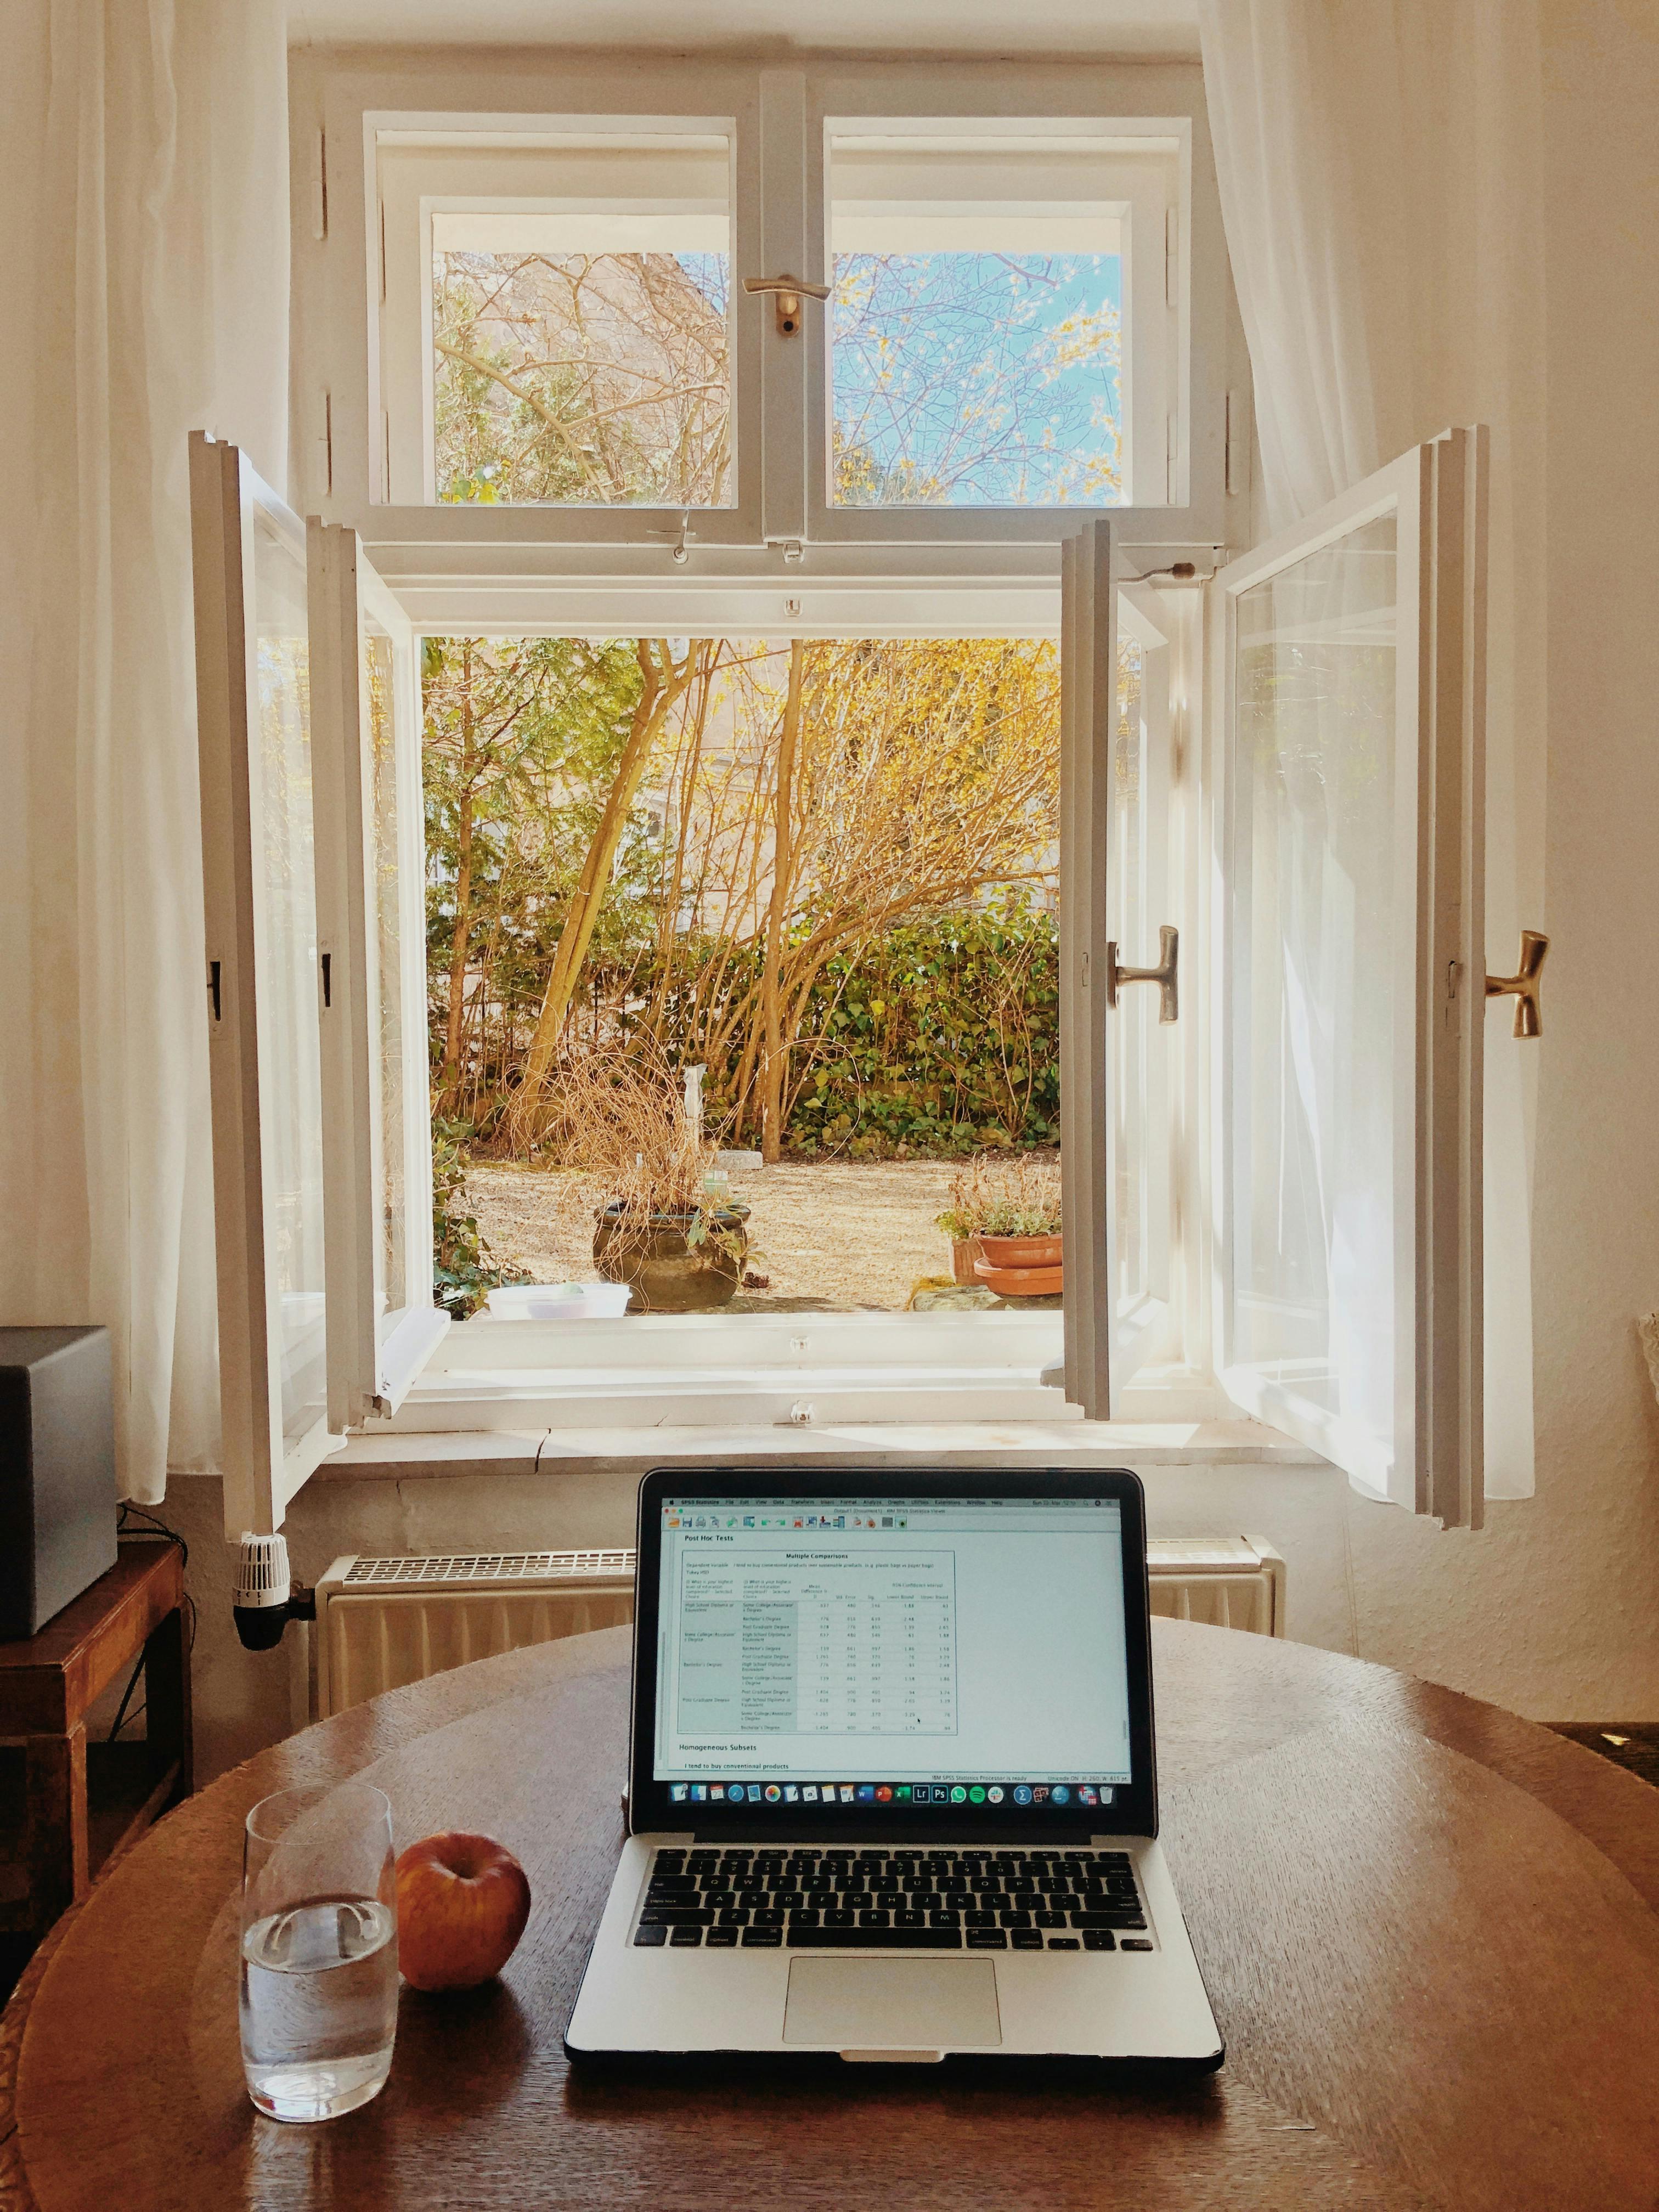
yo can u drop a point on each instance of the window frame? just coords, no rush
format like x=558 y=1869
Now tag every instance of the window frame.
x=541 y=568
x=1158 y=295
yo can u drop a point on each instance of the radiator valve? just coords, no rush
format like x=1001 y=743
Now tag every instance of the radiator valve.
x=267 y=1599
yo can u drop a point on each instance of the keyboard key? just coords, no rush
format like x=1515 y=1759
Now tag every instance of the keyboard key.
x=645 y=1934
x=1099 y=1939
x=760 y=1938
x=719 y=1939
x=875 y=1918
x=768 y=1915
x=839 y=1917
x=910 y=1919
x=1015 y=1919
x=1095 y=1920
x=1063 y=1943
x=944 y=1920
x=979 y=1920
x=873 y=1939
x=1049 y=1918
x=684 y=1937
x=1134 y=1943
x=678 y=1916
x=1026 y=1939
x=987 y=1939
x=805 y=1915
x=734 y=1916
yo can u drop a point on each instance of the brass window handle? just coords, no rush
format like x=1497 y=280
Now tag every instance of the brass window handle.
x=1169 y=954
x=1523 y=986
x=788 y=291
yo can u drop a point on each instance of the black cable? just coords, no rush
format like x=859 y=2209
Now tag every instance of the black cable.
x=121 y=1709
x=152 y=1526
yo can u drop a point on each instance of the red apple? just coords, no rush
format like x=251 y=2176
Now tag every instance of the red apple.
x=462 y=1905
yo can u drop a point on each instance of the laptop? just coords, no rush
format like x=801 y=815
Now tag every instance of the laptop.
x=891 y=1788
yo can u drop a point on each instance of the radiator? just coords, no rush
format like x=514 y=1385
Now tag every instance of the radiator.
x=1230 y=1582
x=382 y=1623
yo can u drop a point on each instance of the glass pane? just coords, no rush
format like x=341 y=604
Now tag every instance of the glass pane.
x=1319 y=904
x=1130 y=925
x=580 y=341
x=290 y=1079
x=391 y=1260
x=977 y=324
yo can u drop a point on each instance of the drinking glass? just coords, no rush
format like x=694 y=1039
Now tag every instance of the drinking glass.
x=318 y=1998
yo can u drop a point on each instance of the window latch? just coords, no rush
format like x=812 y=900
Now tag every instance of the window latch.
x=1523 y=986
x=1164 y=974
x=788 y=293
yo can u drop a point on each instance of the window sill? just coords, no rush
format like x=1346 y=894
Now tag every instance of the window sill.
x=402 y=1457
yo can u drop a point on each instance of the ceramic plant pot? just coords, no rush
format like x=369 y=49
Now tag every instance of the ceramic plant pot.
x=650 y=1253
x=1019 y=1267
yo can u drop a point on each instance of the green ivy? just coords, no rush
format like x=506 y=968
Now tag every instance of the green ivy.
x=942 y=1036
x=463 y=1272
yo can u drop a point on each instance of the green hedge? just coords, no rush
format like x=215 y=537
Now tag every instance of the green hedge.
x=943 y=1035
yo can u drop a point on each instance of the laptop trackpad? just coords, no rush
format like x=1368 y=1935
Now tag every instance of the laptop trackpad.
x=864 y=2006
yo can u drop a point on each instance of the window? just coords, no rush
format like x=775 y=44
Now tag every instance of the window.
x=1003 y=320
x=1018 y=413
x=253 y=690
x=308 y=736
x=1027 y=320
x=556 y=322
x=1350 y=681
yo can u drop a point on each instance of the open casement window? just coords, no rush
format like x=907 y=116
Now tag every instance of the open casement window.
x=1118 y=1070
x=255 y=739
x=371 y=880
x=1350 y=678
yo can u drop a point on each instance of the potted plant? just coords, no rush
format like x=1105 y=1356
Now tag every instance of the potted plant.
x=664 y=1224
x=1004 y=1225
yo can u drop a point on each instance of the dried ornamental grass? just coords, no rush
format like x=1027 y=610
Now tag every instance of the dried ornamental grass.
x=996 y=1198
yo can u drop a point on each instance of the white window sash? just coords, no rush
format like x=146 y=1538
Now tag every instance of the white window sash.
x=1429 y=1457
x=261 y=1017
x=381 y=1331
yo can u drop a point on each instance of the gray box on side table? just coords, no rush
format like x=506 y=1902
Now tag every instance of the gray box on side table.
x=57 y=1503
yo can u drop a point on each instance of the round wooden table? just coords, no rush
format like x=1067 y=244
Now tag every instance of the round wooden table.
x=1427 y=1929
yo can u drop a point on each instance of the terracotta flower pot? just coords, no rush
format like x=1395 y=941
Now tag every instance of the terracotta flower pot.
x=650 y=1253
x=1019 y=1267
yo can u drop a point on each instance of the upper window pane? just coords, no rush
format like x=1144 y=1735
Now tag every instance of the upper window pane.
x=980 y=326
x=556 y=328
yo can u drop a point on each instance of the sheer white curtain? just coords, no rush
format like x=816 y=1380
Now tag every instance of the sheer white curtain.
x=143 y=242
x=1380 y=167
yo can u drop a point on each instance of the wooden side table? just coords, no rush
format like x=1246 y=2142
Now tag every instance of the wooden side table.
x=72 y=1806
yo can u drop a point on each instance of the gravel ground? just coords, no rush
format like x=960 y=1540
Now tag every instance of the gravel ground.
x=831 y=1237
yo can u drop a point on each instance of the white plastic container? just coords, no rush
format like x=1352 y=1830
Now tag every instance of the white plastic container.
x=559 y=1302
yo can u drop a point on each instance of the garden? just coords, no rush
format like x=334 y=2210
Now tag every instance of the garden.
x=751 y=939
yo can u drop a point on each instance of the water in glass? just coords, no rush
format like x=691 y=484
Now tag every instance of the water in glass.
x=319 y=2007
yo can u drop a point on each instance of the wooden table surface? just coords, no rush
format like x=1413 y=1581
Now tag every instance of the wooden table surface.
x=1428 y=1930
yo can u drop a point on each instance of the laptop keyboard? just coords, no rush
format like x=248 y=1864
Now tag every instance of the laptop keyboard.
x=921 y=1899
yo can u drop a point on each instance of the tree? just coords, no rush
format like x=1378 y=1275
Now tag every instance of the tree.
x=977 y=379
x=600 y=379
x=664 y=682
x=515 y=734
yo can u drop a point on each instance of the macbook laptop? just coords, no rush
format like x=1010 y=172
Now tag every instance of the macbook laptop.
x=892 y=1786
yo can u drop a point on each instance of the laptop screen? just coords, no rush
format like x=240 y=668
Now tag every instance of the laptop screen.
x=844 y=1655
